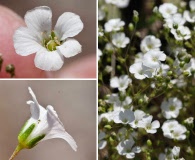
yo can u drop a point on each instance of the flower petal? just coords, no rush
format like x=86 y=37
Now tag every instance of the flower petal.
x=39 y=19
x=68 y=25
x=57 y=128
x=35 y=107
x=26 y=42
x=70 y=48
x=48 y=61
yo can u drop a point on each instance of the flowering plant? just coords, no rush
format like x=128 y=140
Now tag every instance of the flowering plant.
x=50 y=46
x=146 y=81
x=44 y=124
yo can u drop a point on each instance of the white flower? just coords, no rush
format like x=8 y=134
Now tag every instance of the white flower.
x=100 y=32
x=150 y=43
x=50 y=46
x=126 y=148
x=181 y=33
x=175 y=21
x=173 y=130
x=164 y=69
x=108 y=69
x=139 y=114
x=119 y=3
x=43 y=124
x=153 y=58
x=101 y=14
x=122 y=134
x=121 y=83
x=109 y=47
x=170 y=154
x=189 y=120
x=140 y=71
x=119 y=40
x=189 y=16
x=192 y=5
x=167 y=9
x=170 y=108
x=99 y=54
x=124 y=117
x=114 y=99
x=101 y=142
x=148 y=125
x=114 y=25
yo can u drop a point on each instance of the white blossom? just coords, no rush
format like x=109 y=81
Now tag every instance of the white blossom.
x=101 y=142
x=167 y=9
x=150 y=43
x=44 y=124
x=181 y=33
x=101 y=14
x=99 y=54
x=114 y=25
x=139 y=114
x=50 y=46
x=175 y=20
x=140 y=71
x=148 y=125
x=120 y=40
x=170 y=154
x=121 y=83
x=171 y=108
x=119 y=3
x=173 y=130
x=153 y=58
x=189 y=120
x=189 y=16
x=124 y=117
x=192 y=5
x=126 y=148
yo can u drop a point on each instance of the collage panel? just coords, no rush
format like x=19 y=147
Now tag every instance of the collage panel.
x=48 y=119
x=146 y=79
x=48 y=39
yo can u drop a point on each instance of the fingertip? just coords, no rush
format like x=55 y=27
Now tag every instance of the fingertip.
x=24 y=66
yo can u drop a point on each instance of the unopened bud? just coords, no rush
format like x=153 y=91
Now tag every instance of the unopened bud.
x=107 y=127
x=149 y=142
x=10 y=69
x=131 y=27
x=135 y=16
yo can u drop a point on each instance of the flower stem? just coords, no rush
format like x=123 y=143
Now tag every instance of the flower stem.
x=17 y=150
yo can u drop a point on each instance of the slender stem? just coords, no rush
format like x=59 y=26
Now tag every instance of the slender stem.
x=113 y=64
x=17 y=150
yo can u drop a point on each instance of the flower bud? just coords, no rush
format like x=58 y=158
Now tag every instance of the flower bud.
x=169 y=73
x=181 y=64
x=149 y=142
x=10 y=69
x=186 y=73
x=107 y=127
x=131 y=27
x=135 y=16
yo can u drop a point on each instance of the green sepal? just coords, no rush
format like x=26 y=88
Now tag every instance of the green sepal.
x=24 y=135
x=21 y=131
x=34 y=141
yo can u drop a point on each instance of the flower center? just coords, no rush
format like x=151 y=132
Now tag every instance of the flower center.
x=50 y=41
x=155 y=59
x=172 y=108
x=148 y=127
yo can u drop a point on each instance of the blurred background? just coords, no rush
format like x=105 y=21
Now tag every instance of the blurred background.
x=75 y=103
x=86 y=9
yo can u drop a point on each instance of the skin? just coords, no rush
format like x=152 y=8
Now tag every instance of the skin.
x=84 y=67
